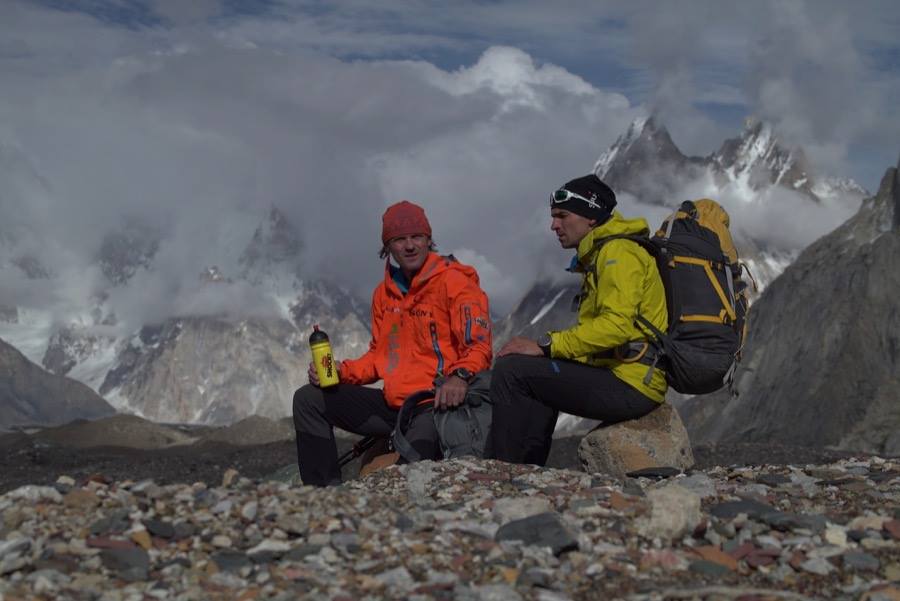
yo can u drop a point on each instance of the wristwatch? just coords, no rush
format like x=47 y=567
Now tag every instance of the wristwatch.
x=462 y=373
x=544 y=341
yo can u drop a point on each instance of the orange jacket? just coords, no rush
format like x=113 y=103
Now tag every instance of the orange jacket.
x=441 y=324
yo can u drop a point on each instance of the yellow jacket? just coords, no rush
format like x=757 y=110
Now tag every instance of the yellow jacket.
x=620 y=281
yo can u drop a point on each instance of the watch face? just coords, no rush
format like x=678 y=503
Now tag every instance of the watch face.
x=544 y=340
x=463 y=373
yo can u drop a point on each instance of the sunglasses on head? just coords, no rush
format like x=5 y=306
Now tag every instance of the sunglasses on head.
x=562 y=195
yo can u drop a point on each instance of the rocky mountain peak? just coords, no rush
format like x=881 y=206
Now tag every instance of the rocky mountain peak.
x=645 y=162
x=214 y=275
x=124 y=251
x=758 y=158
x=642 y=148
x=29 y=395
x=878 y=215
x=275 y=241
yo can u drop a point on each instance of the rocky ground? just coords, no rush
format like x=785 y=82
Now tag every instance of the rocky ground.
x=463 y=529
x=191 y=514
x=127 y=447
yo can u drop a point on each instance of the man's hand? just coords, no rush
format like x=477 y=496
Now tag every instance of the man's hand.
x=314 y=376
x=451 y=393
x=521 y=346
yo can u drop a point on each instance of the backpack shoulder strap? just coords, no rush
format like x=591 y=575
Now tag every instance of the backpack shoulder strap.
x=643 y=241
x=404 y=417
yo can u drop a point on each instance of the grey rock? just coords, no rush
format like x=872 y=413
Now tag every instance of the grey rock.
x=12 y=563
x=16 y=546
x=160 y=528
x=184 y=530
x=708 y=568
x=857 y=560
x=34 y=494
x=114 y=523
x=268 y=551
x=541 y=577
x=674 y=512
x=818 y=565
x=497 y=592
x=789 y=521
x=699 y=484
x=230 y=560
x=345 y=541
x=300 y=552
x=773 y=479
x=397 y=578
x=545 y=530
x=418 y=478
x=404 y=522
x=549 y=595
x=129 y=564
x=633 y=488
x=658 y=439
x=508 y=509
x=730 y=509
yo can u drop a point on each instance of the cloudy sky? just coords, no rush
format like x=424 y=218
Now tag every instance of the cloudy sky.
x=198 y=116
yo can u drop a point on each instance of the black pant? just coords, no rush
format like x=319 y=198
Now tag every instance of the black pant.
x=355 y=409
x=529 y=392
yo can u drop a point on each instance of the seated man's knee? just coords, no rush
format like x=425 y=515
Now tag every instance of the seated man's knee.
x=508 y=366
x=307 y=398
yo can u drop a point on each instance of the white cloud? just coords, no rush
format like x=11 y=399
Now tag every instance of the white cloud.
x=201 y=125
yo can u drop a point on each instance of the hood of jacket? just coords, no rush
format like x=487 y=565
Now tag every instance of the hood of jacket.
x=434 y=265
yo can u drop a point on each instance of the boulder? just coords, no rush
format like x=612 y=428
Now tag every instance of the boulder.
x=659 y=439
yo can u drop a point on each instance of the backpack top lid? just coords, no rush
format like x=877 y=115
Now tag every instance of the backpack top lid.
x=710 y=215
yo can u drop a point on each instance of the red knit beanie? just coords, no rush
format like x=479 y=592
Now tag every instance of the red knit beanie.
x=404 y=219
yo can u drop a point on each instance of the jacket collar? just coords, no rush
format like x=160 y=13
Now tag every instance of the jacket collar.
x=433 y=265
x=615 y=225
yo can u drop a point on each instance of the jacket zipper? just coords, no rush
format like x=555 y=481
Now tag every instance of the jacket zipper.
x=468 y=313
x=437 y=348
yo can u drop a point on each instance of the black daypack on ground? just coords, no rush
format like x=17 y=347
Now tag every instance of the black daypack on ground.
x=462 y=430
x=706 y=299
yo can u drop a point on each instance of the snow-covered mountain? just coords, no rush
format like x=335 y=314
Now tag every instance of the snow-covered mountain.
x=206 y=367
x=645 y=163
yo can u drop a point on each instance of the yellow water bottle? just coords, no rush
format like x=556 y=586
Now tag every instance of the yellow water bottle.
x=322 y=358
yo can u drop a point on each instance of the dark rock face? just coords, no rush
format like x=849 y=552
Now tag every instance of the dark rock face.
x=545 y=307
x=125 y=251
x=645 y=161
x=822 y=361
x=31 y=396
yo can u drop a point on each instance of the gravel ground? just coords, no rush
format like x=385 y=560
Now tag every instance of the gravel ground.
x=27 y=460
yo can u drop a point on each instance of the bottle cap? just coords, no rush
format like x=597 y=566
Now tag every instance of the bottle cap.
x=318 y=335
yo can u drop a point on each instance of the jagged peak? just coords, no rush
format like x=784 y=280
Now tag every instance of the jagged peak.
x=646 y=129
x=275 y=240
x=127 y=249
x=213 y=274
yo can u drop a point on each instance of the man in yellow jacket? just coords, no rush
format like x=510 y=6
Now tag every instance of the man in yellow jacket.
x=600 y=368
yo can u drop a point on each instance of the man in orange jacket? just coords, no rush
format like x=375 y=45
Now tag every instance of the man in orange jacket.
x=430 y=323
